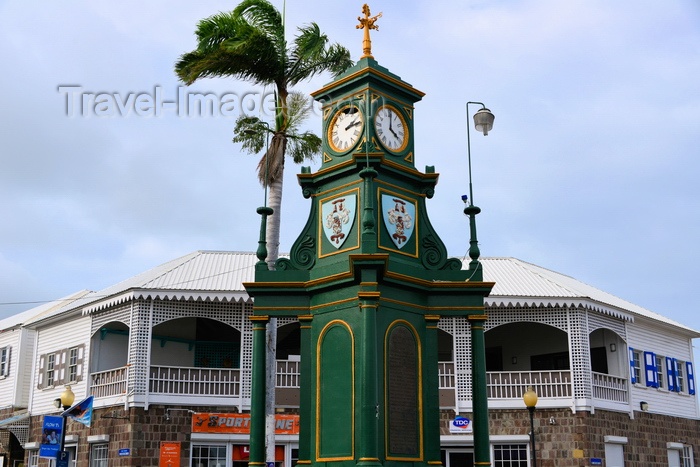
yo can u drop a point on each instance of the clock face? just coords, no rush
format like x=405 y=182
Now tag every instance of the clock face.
x=345 y=128
x=391 y=128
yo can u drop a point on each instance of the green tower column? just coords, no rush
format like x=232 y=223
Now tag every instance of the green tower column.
x=257 y=396
x=482 y=447
x=305 y=390
x=368 y=448
x=432 y=393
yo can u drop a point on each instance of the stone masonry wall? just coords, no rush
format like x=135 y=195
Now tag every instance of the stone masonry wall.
x=564 y=439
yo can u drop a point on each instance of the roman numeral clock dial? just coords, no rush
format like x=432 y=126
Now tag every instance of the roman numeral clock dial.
x=345 y=129
x=391 y=129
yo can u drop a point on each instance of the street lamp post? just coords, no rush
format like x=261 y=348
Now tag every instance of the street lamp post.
x=530 y=399
x=483 y=122
x=65 y=401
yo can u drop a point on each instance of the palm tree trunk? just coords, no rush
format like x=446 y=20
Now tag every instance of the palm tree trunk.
x=272 y=238
x=270 y=386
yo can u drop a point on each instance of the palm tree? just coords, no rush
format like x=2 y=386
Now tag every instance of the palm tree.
x=248 y=44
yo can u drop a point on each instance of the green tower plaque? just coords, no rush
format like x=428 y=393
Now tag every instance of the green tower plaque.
x=368 y=278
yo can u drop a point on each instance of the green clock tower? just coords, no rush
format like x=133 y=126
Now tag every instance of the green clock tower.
x=368 y=278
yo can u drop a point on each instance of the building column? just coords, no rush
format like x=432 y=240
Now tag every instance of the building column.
x=369 y=395
x=257 y=395
x=305 y=395
x=482 y=445
x=431 y=410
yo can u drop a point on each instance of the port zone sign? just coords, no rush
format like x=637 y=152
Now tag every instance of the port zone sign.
x=237 y=423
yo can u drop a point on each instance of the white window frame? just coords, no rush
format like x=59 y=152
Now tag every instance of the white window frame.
x=521 y=447
x=73 y=359
x=687 y=456
x=660 y=370
x=196 y=446
x=4 y=362
x=50 y=371
x=680 y=376
x=99 y=454
x=33 y=458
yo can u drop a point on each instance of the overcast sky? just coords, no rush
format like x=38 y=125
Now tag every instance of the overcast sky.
x=591 y=169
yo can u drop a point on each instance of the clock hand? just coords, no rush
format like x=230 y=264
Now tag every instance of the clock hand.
x=354 y=123
x=392 y=130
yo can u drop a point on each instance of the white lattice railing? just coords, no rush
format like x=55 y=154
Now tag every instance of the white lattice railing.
x=173 y=380
x=108 y=383
x=609 y=387
x=288 y=372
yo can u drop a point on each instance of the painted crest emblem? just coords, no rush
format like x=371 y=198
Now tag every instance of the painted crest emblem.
x=338 y=217
x=399 y=218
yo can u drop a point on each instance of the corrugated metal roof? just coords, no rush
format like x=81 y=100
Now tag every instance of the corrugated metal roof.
x=202 y=275
x=42 y=311
x=219 y=276
x=522 y=283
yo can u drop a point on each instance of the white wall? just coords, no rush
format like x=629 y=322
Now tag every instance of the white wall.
x=10 y=339
x=52 y=339
x=648 y=336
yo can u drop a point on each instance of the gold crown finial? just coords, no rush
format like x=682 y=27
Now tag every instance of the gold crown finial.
x=367 y=23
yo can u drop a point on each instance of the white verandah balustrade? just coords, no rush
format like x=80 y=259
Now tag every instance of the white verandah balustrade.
x=170 y=380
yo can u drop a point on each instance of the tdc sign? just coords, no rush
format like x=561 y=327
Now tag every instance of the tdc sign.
x=461 y=425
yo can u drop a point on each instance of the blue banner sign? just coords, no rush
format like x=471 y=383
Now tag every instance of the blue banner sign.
x=51 y=436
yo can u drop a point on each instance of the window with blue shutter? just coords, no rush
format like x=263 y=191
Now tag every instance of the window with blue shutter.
x=671 y=373
x=633 y=378
x=691 y=378
x=650 y=370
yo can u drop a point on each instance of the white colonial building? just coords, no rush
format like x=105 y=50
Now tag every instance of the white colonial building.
x=168 y=352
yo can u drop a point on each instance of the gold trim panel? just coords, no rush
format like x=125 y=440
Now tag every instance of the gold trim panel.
x=477 y=317
x=259 y=318
x=367 y=295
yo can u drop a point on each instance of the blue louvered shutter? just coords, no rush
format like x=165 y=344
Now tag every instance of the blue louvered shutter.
x=691 y=378
x=633 y=378
x=671 y=372
x=650 y=370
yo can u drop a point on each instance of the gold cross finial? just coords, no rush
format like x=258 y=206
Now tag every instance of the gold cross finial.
x=367 y=23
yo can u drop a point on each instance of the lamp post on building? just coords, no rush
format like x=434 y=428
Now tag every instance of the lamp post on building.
x=530 y=399
x=65 y=401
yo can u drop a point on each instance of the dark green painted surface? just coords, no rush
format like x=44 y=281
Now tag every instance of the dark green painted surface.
x=335 y=392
